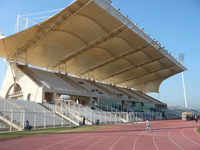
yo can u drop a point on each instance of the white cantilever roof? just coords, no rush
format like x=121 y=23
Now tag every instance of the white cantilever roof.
x=90 y=38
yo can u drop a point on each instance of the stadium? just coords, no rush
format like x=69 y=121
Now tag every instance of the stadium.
x=86 y=65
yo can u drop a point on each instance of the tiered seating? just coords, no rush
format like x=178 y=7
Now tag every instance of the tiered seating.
x=180 y=110
x=173 y=114
x=3 y=126
x=116 y=92
x=83 y=87
x=7 y=111
x=55 y=82
x=38 y=116
x=90 y=87
x=101 y=87
x=73 y=83
x=134 y=96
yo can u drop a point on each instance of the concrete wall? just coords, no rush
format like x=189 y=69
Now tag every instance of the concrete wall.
x=28 y=86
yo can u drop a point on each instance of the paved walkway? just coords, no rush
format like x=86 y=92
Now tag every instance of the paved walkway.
x=165 y=135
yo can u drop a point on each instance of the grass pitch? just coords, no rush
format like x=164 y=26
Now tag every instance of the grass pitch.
x=51 y=131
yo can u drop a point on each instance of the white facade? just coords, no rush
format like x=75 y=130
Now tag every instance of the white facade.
x=30 y=89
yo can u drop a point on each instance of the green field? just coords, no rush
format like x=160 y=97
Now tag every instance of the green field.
x=51 y=131
x=199 y=129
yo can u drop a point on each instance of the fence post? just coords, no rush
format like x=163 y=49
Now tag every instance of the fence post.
x=131 y=117
x=62 y=118
x=4 y=109
x=137 y=116
x=54 y=117
x=11 y=118
x=110 y=116
x=115 y=117
x=34 y=123
x=44 y=119
x=21 y=119
x=94 y=121
x=105 y=116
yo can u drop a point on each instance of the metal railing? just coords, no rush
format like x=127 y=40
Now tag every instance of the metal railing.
x=13 y=119
x=36 y=119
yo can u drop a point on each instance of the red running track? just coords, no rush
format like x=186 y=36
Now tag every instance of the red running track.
x=165 y=135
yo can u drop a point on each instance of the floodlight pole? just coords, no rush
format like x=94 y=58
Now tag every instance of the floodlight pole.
x=184 y=91
x=181 y=59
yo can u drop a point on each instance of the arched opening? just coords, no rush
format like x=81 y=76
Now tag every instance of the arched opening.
x=15 y=92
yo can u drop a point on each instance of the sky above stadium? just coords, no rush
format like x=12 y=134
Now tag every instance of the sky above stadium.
x=174 y=23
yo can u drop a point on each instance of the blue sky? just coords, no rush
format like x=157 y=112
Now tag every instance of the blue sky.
x=174 y=23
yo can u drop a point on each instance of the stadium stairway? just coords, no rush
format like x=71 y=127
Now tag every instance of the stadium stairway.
x=76 y=112
x=58 y=110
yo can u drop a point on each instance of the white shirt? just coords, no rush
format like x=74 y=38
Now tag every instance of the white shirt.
x=147 y=123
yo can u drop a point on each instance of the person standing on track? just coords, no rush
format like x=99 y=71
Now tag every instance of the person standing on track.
x=195 y=118
x=148 y=125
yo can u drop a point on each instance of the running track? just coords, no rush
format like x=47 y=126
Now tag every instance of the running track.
x=165 y=135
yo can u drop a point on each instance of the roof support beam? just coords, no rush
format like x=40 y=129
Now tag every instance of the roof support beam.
x=93 y=44
x=163 y=78
x=102 y=48
x=133 y=67
x=151 y=58
x=116 y=58
x=43 y=32
x=100 y=25
x=164 y=65
x=74 y=35
x=148 y=73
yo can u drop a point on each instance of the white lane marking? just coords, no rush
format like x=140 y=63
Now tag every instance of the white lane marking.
x=154 y=141
x=89 y=137
x=174 y=141
x=99 y=141
x=189 y=138
x=116 y=142
x=58 y=142
x=136 y=139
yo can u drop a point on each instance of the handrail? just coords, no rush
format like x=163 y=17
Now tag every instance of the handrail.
x=79 y=105
x=13 y=104
x=18 y=107
x=73 y=111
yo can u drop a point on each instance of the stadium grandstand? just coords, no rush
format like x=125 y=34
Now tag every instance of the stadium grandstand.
x=87 y=64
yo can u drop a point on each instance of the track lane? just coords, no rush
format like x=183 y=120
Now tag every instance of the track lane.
x=188 y=134
x=182 y=141
x=165 y=135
